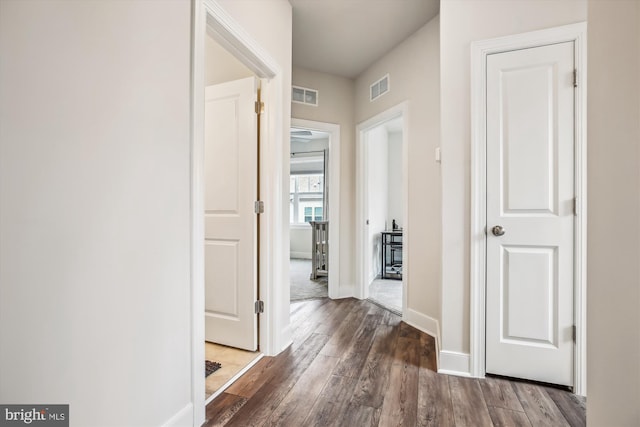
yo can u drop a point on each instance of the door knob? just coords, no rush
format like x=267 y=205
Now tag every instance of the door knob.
x=498 y=230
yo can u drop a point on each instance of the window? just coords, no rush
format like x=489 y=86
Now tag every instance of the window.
x=306 y=198
x=312 y=213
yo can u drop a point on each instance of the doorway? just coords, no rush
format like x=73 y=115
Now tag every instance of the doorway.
x=231 y=186
x=308 y=214
x=381 y=193
x=211 y=19
x=528 y=217
x=314 y=196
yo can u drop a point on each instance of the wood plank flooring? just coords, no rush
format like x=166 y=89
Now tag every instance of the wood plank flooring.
x=355 y=364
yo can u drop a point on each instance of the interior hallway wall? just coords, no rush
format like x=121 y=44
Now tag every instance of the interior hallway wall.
x=95 y=305
x=414 y=74
x=462 y=22
x=394 y=183
x=336 y=105
x=613 y=254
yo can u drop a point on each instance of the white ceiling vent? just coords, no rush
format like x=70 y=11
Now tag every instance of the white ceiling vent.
x=379 y=88
x=303 y=95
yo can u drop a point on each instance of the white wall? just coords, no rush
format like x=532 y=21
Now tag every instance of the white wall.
x=464 y=21
x=613 y=356
x=220 y=66
x=376 y=148
x=94 y=208
x=394 y=165
x=414 y=73
x=300 y=236
x=336 y=105
x=300 y=240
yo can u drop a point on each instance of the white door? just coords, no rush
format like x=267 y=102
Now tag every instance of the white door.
x=230 y=170
x=530 y=195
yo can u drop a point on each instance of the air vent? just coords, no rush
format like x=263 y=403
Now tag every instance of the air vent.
x=303 y=95
x=379 y=88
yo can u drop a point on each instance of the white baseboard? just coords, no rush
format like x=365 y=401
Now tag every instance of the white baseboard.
x=300 y=255
x=284 y=341
x=426 y=324
x=420 y=321
x=454 y=363
x=183 y=418
x=344 y=291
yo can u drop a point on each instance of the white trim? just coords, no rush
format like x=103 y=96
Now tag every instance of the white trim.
x=210 y=18
x=454 y=363
x=335 y=284
x=345 y=291
x=197 y=218
x=230 y=35
x=300 y=255
x=182 y=418
x=233 y=379
x=399 y=110
x=576 y=33
x=426 y=324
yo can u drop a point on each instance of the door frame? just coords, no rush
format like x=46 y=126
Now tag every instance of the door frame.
x=208 y=17
x=399 y=110
x=334 y=197
x=576 y=33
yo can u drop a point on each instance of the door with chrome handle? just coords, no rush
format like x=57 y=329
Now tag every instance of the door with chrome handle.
x=498 y=230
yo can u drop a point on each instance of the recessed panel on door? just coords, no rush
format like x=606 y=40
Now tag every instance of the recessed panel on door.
x=527 y=114
x=222 y=293
x=529 y=296
x=222 y=156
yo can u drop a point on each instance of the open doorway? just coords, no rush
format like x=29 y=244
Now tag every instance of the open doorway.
x=382 y=195
x=308 y=214
x=230 y=225
x=314 y=197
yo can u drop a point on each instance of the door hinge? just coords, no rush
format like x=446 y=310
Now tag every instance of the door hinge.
x=574 y=333
x=575 y=206
x=259 y=307
x=259 y=107
x=258 y=206
x=575 y=77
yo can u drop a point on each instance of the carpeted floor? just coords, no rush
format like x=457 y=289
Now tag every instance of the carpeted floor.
x=387 y=293
x=302 y=287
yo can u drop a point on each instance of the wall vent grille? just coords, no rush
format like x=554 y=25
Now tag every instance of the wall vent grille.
x=303 y=95
x=379 y=88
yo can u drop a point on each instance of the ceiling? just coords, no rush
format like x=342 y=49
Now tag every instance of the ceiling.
x=344 y=37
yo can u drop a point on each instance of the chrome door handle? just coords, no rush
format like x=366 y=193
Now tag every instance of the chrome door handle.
x=498 y=230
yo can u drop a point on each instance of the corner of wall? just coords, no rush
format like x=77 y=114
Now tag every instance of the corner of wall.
x=184 y=417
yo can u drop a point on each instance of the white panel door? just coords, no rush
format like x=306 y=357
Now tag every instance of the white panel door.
x=230 y=169
x=530 y=194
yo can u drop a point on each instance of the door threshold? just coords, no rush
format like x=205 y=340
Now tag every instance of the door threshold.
x=386 y=307
x=233 y=379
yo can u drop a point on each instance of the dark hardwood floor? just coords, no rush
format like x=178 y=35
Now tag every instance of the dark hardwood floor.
x=355 y=364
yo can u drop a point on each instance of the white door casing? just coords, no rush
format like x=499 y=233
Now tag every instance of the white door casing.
x=230 y=189
x=530 y=193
